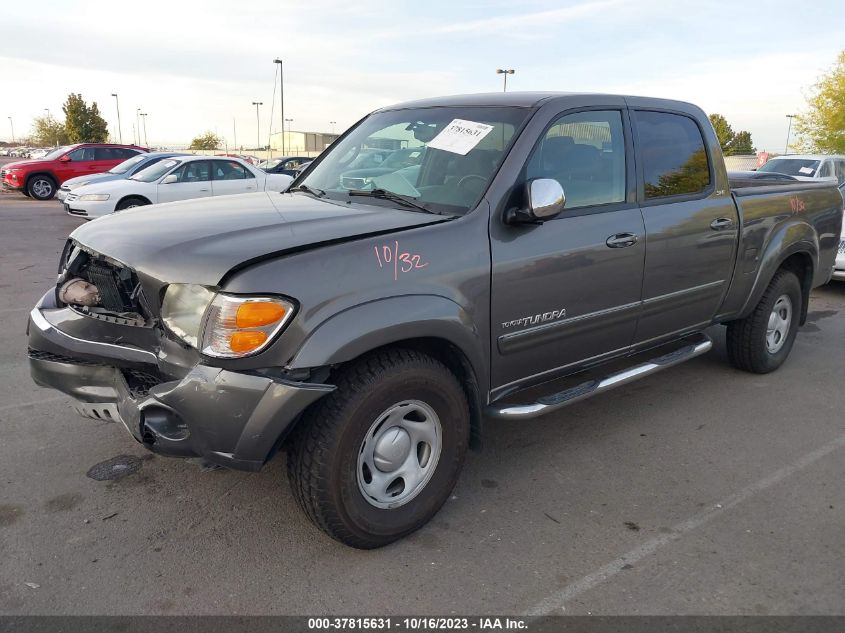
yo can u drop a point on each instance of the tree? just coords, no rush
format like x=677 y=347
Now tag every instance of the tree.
x=208 y=140
x=732 y=143
x=723 y=129
x=741 y=145
x=83 y=123
x=822 y=127
x=48 y=131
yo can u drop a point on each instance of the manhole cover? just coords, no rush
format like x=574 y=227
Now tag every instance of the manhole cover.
x=114 y=468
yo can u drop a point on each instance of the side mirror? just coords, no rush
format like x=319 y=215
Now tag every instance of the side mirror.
x=65 y=159
x=545 y=199
x=169 y=179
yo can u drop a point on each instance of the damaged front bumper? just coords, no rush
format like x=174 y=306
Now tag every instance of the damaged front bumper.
x=228 y=417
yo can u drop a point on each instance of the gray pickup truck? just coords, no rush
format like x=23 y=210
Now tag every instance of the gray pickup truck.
x=527 y=251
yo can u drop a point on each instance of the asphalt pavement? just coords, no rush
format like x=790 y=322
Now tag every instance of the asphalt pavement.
x=701 y=490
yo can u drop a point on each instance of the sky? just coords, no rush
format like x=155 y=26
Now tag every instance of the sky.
x=195 y=66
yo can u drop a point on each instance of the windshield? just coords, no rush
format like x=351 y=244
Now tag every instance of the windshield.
x=128 y=164
x=791 y=166
x=443 y=157
x=269 y=164
x=154 y=172
x=59 y=151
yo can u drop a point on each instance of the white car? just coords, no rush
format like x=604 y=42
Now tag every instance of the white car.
x=808 y=166
x=171 y=179
x=839 y=266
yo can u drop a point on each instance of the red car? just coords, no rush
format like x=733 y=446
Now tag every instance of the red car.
x=41 y=178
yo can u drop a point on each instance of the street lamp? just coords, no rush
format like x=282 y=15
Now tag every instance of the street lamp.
x=505 y=72
x=788 y=130
x=138 y=124
x=282 y=97
x=12 y=125
x=258 y=123
x=288 y=121
x=144 y=114
x=117 y=104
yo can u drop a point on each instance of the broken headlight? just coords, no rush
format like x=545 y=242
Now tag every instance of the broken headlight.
x=183 y=308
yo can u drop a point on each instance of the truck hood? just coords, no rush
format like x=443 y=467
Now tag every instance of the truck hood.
x=199 y=241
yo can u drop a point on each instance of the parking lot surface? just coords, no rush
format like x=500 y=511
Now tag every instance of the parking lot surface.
x=702 y=490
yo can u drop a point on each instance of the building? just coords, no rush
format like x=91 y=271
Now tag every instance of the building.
x=301 y=143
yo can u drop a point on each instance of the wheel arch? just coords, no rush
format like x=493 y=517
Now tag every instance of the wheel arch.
x=130 y=196
x=47 y=173
x=429 y=324
x=800 y=257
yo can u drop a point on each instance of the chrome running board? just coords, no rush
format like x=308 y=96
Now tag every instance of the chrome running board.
x=698 y=345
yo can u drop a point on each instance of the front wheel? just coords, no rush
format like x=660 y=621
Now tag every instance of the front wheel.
x=376 y=459
x=41 y=187
x=761 y=342
x=130 y=203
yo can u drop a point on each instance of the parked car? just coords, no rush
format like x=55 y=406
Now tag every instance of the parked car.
x=170 y=179
x=759 y=178
x=839 y=266
x=126 y=169
x=808 y=166
x=40 y=179
x=368 y=332
x=286 y=165
x=39 y=153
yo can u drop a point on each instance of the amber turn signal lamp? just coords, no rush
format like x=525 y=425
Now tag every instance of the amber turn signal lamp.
x=242 y=342
x=258 y=314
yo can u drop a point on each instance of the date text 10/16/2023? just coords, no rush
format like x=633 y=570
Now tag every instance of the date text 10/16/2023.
x=391 y=256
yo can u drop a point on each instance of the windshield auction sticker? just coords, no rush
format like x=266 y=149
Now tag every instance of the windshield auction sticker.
x=460 y=136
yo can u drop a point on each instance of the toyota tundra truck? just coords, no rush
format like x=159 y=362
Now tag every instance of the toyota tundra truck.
x=547 y=248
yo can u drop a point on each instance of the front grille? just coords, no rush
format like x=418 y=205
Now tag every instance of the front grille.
x=37 y=354
x=140 y=382
x=842 y=247
x=3 y=173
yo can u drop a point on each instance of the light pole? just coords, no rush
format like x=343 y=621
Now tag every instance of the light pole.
x=258 y=123
x=288 y=121
x=138 y=124
x=144 y=114
x=12 y=125
x=49 y=120
x=505 y=72
x=788 y=130
x=117 y=104
x=282 y=97
x=235 y=134
x=332 y=124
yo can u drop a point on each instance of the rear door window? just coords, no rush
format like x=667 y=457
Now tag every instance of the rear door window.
x=673 y=155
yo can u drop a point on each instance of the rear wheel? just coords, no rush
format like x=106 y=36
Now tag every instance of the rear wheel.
x=129 y=203
x=761 y=342
x=41 y=187
x=376 y=459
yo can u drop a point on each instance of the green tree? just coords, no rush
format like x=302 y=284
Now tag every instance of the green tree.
x=48 y=131
x=208 y=140
x=741 y=145
x=723 y=129
x=822 y=127
x=83 y=123
x=732 y=143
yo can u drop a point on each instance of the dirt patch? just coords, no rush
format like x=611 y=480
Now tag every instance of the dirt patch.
x=63 y=503
x=9 y=514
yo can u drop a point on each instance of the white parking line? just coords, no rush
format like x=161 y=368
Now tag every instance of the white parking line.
x=20 y=405
x=557 y=601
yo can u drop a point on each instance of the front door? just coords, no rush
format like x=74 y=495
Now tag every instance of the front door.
x=193 y=180
x=691 y=227
x=567 y=292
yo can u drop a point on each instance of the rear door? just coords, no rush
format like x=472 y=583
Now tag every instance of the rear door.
x=193 y=180
x=105 y=158
x=691 y=227
x=230 y=177
x=567 y=292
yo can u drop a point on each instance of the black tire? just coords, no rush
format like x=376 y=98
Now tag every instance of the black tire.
x=324 y=452
x=129 y=203
x=41 y=187
x=24 y=192
x=746 y=338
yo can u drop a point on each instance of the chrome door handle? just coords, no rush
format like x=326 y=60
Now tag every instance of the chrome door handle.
x=721 y=223
x=203 y=190
x=621 y=240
